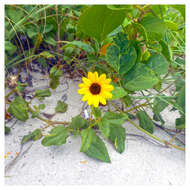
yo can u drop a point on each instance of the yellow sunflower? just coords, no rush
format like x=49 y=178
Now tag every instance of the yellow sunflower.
x=96 y=89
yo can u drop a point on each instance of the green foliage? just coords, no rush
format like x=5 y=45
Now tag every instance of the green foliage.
x=7 y=130
x=98 y=21
x=19 y=108
x=57 y=136
x=145 y=122
x=61 y=107
x=35 y=135
x=93 y=146
x=55 y=74
x=140 y=77
x=78 y=122
x=118 y=92
x=42 y=93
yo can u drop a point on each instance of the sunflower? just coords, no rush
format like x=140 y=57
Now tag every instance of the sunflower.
x=96 y=89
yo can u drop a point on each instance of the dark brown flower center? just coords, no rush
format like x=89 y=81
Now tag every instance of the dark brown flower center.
x=95 y=88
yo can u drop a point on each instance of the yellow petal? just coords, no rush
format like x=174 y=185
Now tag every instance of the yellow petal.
x=91 y=76
x=85 y=97
x=90 y=100
x=96 y=101
x=86 y=81
x=102 y=77
x=107 y=81
x=82 y=85
x=83 y=91
x=102 y=100
x=96 y=78
x=108 y=87
x=106 y=94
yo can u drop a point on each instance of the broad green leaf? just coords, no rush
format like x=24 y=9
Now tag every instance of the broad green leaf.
x=117 y=136
x=115 y=118
x=19 y=108
x=118 y=92
x=166 y=51
x=57 y=136
x=84 y=46
x=79 y=122
x=43 y=93
x=7 y=130
x=154 y=26
x=140 y=77
x=98 y=21
x=93 y=146
x=120 y=7
x=158 y=64
x=112 y=57
x=41 y=106
x=61 y=107
x=145 y=122
x=46 y=55
x=122 y=55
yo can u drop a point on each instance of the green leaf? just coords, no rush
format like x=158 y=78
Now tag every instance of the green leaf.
x=55 y=74
x=10 y=47
x=31 y=31
x=46 y=55
x=84 y=46
x=154 y=26
x=122 y=56
x=35 y=135
x=180 y=123
x=127 y=100
x=98 y=21
x=57 y=136
x=79 y=122
x=112 y=57
x=20 y=86
x=50 y=41
x=61 y=107
x=180 y=8
x=115 y=118
x=118 y=92
x=166 y=51
x=181 y=98
x=118 y=136
x=120 y=7
x=19 y=108
x=43 y=93
x=145 y=122
x=158 y=64
x=96 y=112
x=140 y=77
x=7 y=130
x=171 y=25
x=159 y=105
x=41 y=106
x=93 y=146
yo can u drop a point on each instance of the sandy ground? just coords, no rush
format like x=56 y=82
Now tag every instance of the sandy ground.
x=142 y=163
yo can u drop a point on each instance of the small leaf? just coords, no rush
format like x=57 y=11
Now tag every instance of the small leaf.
x=36 y=134
x=19 y=108
x=118 y=92
x=50 y=41
x=145 y=122
x=57 y=136
x=61 y=107
x=159 y=105
x=166 y=51
x=181 y=98
x=55 y=74
x=41 y=106
x=26 y=138
x=117 y=136
x=93 y=146
x=46 y=55
x=96 y=112
x=180 y=123
x=79 y=122
x=43 y=93
x=7 y=130
x=10 y=47
x=127 y=100
x=84 y=46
